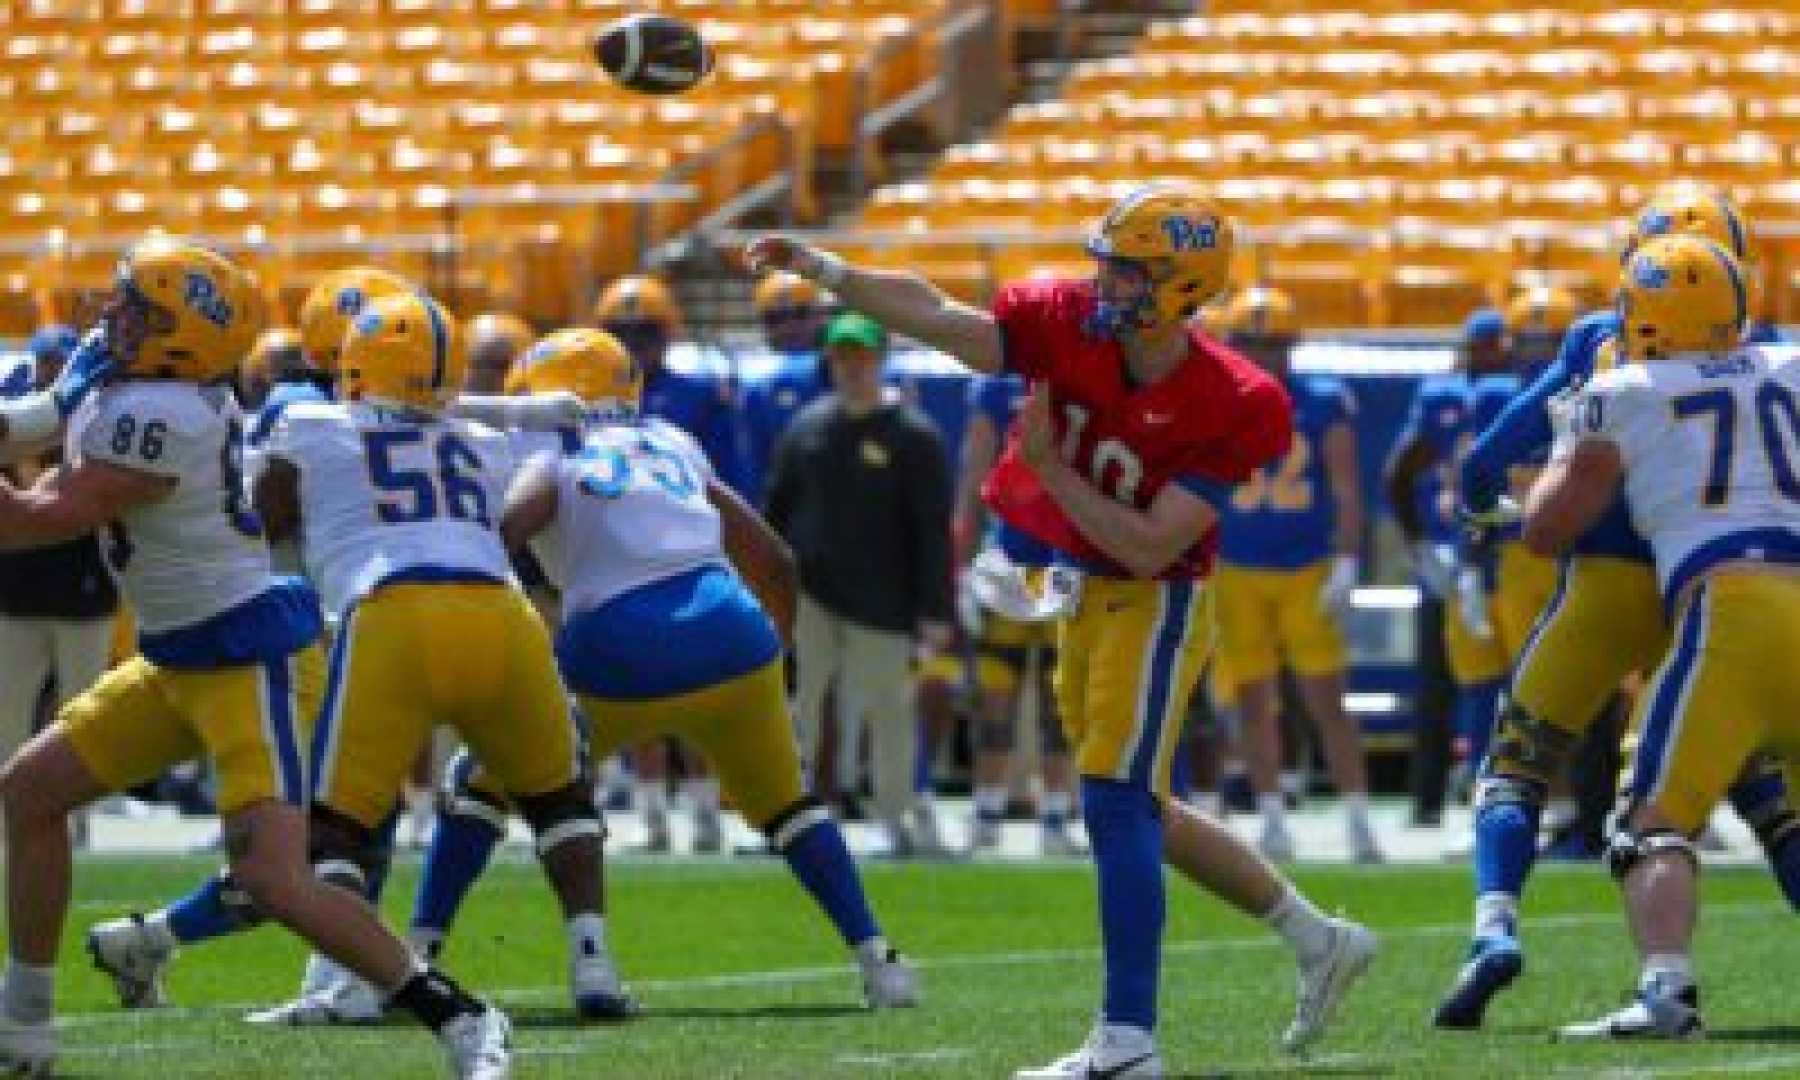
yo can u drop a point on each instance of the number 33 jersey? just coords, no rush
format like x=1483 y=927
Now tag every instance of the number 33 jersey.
x=199 y=551
x=631 y=508
x=1711 y=446
x=385 y=493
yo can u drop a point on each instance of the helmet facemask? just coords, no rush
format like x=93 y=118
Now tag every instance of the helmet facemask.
x=131 y=319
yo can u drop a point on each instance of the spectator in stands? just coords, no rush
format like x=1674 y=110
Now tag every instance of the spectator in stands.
x=792 y=312
x=56 y=603
x=860 y=487
x=496 y=341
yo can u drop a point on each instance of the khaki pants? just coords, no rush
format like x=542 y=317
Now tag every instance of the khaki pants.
x=872 y=672
x=32 y=650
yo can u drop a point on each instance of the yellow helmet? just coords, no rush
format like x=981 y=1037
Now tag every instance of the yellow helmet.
x=589 y=363
x=1677 y=294
x=784 y=290
x=329 y=307
x=638 y=298
x=1542 y=311
x=183 y=311
x=1260 y=312
x=1184 y=242
x=1697 y=211
x=402 y=350
x=275 y=349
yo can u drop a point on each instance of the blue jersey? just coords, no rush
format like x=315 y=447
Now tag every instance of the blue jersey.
x=1439 y=416
x=1283 y=517
x=702 y=406
x=997 y=397
x=770 y=405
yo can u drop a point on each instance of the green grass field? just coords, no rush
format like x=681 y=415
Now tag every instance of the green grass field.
x=740 y=977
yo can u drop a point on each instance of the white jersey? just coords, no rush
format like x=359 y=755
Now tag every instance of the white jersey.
x=384 y=493
x=1711 y=447
x=631 y=508
x=199 y=551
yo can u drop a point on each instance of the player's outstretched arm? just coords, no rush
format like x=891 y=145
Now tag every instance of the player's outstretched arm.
x=530 y=504
x=1521 y=430
x=898 y=299
x=72 y=502
x=34 y=422
x=1571 y=494
x=761 y=557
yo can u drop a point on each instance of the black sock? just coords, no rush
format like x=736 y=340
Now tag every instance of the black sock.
x=434 y=998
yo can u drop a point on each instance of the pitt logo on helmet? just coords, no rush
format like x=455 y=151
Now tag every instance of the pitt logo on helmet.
x=182 y=311
x=1680 y=294
x=203 y=296
x=1191 y=234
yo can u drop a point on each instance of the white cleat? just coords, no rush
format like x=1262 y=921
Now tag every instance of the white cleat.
x=127 y=952
x=321 y=973
x=479 y=1045
x=1112 y=1051
x=890 y=982
x=26 y=1049
x=1324 y=980
x=349 y=1000
x=1655 y=1016
x=599 y=994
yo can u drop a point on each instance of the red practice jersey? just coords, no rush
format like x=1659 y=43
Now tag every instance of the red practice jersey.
x=1207 y=425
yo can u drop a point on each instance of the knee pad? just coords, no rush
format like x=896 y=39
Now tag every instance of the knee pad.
x=556 y=817
x=342 y=851
x=1629 y=847
x=784 y=828
x=1525 y=744
x=458 y=794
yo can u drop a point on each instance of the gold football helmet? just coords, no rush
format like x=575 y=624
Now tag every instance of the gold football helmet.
x=403 y=350
x=1677 y=294
x=1183 y=242
x=589 y=363
x=182 y=311
x=328 y=309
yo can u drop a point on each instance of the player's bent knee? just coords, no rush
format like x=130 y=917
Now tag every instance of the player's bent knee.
x=785 y=827
x=1526 y=746
x=562 y=816
x=44 y=780
x=464 y=794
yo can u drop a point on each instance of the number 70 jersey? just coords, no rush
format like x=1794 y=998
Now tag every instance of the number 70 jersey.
x=1711 y=446
x=385 y=493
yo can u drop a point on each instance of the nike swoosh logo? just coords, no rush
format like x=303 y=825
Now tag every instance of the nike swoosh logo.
x=1158 y=418
x=1116 y=1070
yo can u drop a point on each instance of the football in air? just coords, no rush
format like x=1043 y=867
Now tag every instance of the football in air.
x=653 y=54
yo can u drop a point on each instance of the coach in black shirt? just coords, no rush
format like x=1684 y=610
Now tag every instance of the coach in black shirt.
x=860 y=488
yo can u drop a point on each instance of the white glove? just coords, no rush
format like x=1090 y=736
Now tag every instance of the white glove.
x=969 y=615
x=1436 y=566
x=1472 y=601
x=533 y=412
x=1004 y=588
x=1339 y=587
x=1564 y=410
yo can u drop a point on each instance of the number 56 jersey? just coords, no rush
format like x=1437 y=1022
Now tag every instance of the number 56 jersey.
x=198 y=552
x=385 y=492
x=1711 y=446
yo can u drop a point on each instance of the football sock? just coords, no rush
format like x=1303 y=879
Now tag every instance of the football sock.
x=1301 y=924
x=1784 y=861
x=704 y=794
x=1273 y=810
x=459 y=852
x=1762 y=803
x=1672 y=970
x=1559 y=813
x=1055 y=810
x=1125 y=831
x=213 y=910
x=29 y=991
x=1496 y=915
x=1505 y=846
x=818 y=858
x=1356 y=809
x=1475 y=712
x=587 y=934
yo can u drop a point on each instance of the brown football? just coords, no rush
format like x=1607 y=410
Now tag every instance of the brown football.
x=653 y=54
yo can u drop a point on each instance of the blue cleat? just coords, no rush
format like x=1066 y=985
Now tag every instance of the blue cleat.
x=1493 y=964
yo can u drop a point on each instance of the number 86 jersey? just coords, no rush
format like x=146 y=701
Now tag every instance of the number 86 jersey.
x=386 y=493
x=199 y=551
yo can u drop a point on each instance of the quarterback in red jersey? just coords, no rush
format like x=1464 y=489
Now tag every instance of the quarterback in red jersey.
x=1136 y=428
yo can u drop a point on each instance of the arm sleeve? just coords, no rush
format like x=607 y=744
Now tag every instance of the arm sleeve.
x=928 y=520
x=1521 y=430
